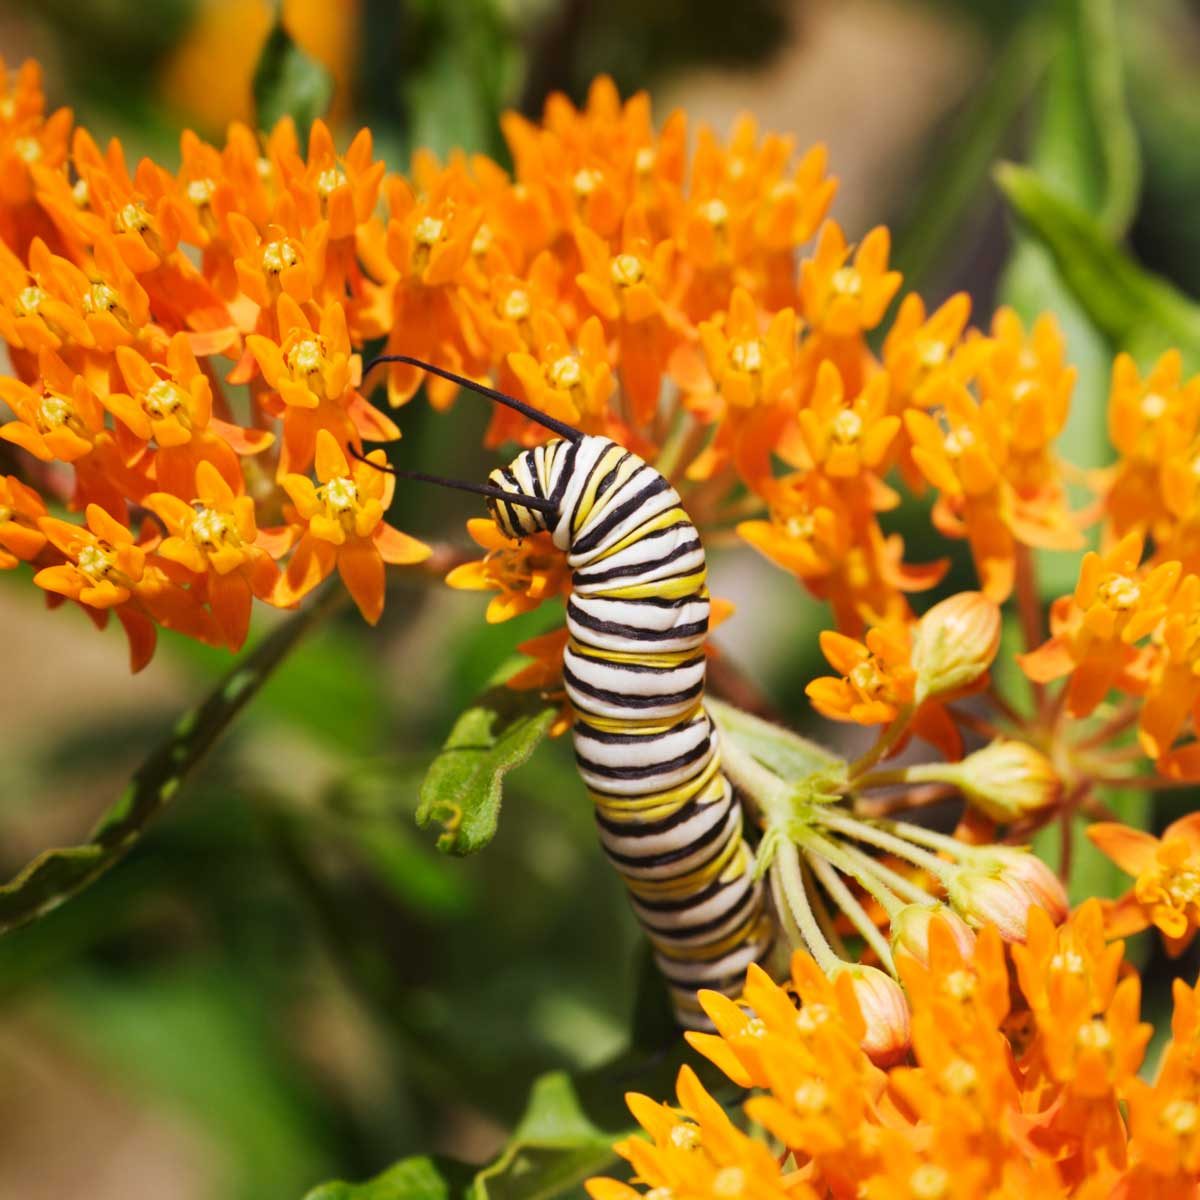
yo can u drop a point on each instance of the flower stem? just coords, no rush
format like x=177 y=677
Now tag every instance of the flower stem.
x=894 y=880
x=886 y=740
x=846 y=901
x=875 y=836
x=787 y=865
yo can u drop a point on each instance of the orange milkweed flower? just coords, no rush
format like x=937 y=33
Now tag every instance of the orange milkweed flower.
x=216 y=538
x=843 y=296
x=524 y=572
x=171 y=403
x=848 y=436
x=21 y=508
x=1115 y=605
x=418 y=263
x=343 y=527
x=314 y=378
x=106 y=569
x=878 y=684
x=1166 y=891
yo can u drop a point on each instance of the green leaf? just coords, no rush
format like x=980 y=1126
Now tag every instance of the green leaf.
x=792 y=757
x=554 y=1147
x=56 y=875
x=1134 y=309
x=462 y=791
x=416 y=1178
x=288 y=82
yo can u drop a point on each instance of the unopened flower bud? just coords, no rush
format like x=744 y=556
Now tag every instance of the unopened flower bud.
x=1001 y=888
x=884 y=1011
x=910 y=930
x=954 y=644
x=1008 y=780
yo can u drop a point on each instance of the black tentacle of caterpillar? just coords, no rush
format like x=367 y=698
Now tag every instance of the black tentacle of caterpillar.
x=634 y=670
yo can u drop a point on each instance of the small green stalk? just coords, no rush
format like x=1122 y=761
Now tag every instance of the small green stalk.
x=846 y=901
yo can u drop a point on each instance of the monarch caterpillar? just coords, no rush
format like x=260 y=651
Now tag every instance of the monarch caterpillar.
x=634 y=669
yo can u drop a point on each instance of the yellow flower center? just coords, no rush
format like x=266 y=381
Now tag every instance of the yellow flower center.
x=28 y=149
x=428 y=231
x=80 y=193
x=340 y=495
x=626 y=270
x=801 y=526
x=747 y=356
x=330 y=180
x=960 y=985
x=812 y=1016
x=756 y=1027
x=164 y=399
x=278 y=256
x=847 y=426
x=1153 y=406
x=200 y=192
x=100 y=297
x=958 y=440
x=1068 y=962
x=685 y=1136
x=6 y=514
x=729 y=1182
x=932 y=354
x=847 y=281
x=586 y=181
x=306 y=357
x=263 y=168
x=515 y=306
x=133 y=218
x=1119 y=592
x=812 y=1096
x=644 y=160
x=929 y=1182
x=566 y=372
x=8 y=109
x=29 y=300
x=659 y=1193
x=714 y=212
x=960 y=1078
x=54 y=411
x=1181 y=1117
x=96 y=563
x=867 y=678
x=211 y=529
x=1094 y=1035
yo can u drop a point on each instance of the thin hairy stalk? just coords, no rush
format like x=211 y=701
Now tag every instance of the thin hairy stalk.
x=845 y=899
x=914 y=893
x=787 y=864
x=873 y=835
x=886 y=740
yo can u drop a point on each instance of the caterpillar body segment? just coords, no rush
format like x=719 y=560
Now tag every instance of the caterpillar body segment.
x=634 y=669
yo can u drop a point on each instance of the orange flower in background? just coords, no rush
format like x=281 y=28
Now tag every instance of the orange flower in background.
x=1166 y=893
x=341 y=518
x=524 y=573
x=21 y=510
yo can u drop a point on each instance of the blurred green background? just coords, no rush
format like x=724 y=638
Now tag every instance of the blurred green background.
x=285 y=982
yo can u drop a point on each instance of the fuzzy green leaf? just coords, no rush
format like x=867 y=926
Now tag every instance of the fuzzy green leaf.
x=56 y=875
x=461 y=793
x=288 y=82
x=416 y=1178
x=553 y=1149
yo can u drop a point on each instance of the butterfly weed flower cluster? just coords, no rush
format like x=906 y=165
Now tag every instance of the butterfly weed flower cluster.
x=187 y=405
x=1023 y=1080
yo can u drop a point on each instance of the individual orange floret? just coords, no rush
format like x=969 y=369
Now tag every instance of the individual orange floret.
x=418 y=264
x=878 y=684
x=1152 y=422
x=33 y=318
x=28 y=139
x=215 y=537
x=171 y=404
x=1095 y=631
x=342 y=519
x=630 y=289
x=314 y=377
x=848 y=436
x=525 y=572
x=1166 y=891
x=570 y=380
x=1171 y=675
x=21 y=508
x=840 y=296
x=107 y=570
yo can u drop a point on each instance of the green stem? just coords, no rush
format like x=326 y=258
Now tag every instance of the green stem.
x=787 y=864
x=865 y=876
x=886 y=740
x=848 y=903
x=894 y=880
x=875 y=836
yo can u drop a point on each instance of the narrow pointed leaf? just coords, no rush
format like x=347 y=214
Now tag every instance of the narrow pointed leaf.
x=288 y=82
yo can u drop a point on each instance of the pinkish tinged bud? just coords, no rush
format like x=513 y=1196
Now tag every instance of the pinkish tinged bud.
x=910 y=930
x=1001 y=890
x=884 y=1011
x=954 y=644
x=1008 y=780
